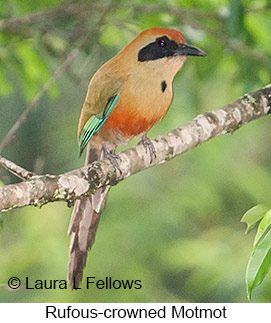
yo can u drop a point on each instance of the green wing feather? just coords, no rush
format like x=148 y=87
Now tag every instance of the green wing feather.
x=95 y=122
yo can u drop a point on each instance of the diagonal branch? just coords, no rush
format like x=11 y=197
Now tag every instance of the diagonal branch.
x=43 y=189
x=69 y=59
x=10 y=135
x=15 y=169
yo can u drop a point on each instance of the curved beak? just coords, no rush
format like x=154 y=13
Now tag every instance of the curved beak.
x=189 y=50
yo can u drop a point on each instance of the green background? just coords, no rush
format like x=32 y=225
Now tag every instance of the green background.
x=176 y=227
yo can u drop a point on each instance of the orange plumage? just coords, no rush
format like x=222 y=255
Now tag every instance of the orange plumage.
x=142 y=103
x=126 y=97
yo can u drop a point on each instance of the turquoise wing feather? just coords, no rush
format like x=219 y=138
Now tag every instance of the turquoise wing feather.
x=95 y=122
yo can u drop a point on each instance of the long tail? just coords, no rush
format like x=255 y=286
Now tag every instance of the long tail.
x=84 y=223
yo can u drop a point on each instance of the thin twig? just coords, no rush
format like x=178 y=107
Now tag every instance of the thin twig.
x=75 y=52
x=10 y=135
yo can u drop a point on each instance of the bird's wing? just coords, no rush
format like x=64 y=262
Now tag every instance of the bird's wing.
x=102 y=96
x=95 y=122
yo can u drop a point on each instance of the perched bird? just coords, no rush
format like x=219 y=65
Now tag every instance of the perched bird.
x=126 y=97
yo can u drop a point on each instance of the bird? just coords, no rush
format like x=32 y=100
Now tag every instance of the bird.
x=126 y=97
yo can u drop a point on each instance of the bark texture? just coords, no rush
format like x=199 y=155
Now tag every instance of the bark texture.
x=42 y=189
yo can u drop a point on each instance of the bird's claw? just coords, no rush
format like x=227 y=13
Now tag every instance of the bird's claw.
x=114 y=161
x=148 y=145
x=113 y=158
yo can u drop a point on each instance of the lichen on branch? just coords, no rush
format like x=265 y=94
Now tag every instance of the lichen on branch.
x=43 y=189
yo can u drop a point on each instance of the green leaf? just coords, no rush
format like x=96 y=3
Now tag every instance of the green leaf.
x=253 y=215
x=263 y=226
x=259 y=264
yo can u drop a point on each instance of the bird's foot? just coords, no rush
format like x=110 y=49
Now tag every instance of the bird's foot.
x=113 y=158
x=146 y=142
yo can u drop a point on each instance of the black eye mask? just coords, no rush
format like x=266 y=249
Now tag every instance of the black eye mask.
x=161 y=47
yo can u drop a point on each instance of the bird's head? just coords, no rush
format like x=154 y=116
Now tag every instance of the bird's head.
x=160 y=48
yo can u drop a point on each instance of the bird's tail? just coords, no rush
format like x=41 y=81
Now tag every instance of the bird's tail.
x=83 y=225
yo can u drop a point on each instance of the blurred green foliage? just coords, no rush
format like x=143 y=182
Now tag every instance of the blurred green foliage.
x=175 y=227
x=260 y=260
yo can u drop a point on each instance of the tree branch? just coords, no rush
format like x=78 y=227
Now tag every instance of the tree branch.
x=10 y=135
x=43 y=189
x=15 y=169
x=69 y=59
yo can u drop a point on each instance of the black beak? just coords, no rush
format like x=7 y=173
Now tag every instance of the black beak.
x=189 y=50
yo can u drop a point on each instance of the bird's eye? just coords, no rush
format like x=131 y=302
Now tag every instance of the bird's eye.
x=162 y=43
